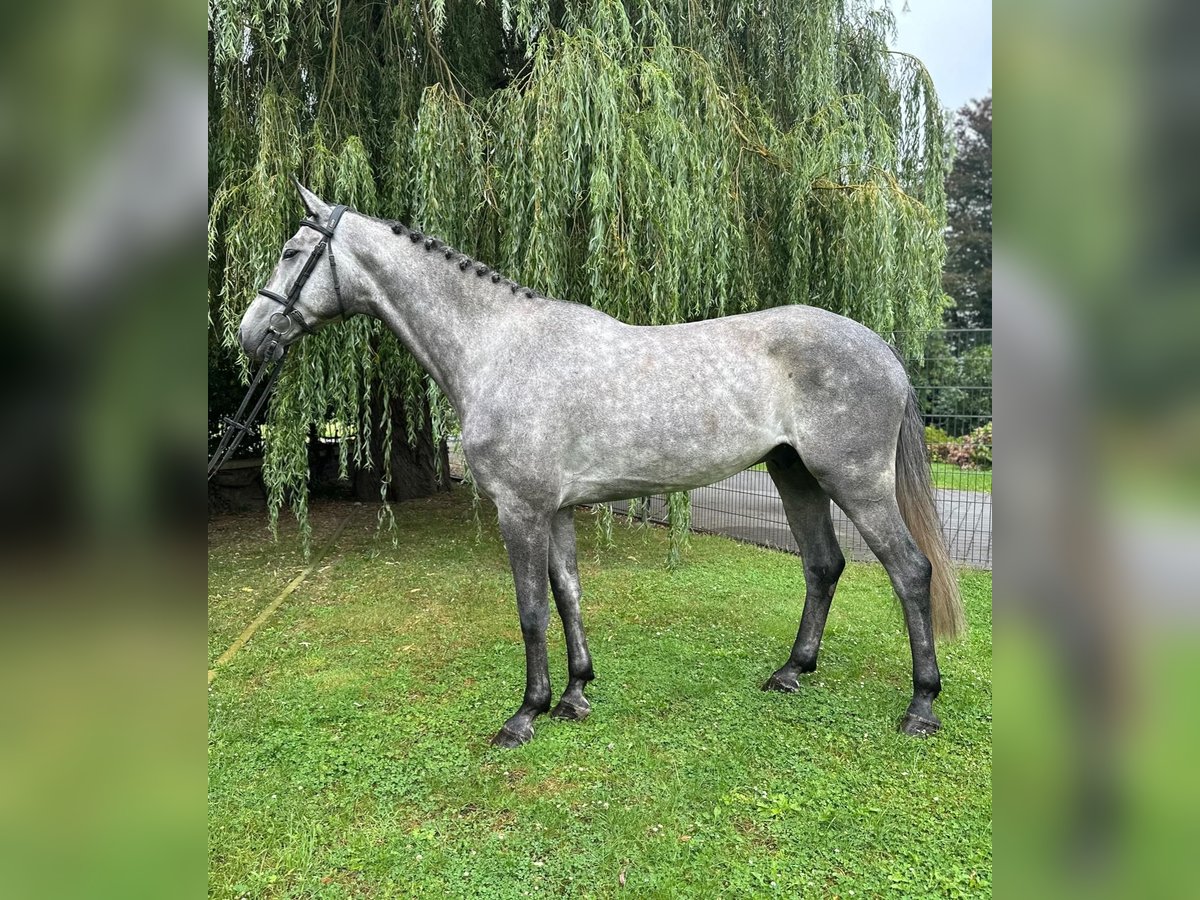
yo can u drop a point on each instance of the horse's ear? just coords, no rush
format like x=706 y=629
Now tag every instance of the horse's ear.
x=314 y=204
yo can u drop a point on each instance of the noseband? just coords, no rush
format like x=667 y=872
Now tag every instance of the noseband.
x=237 y=426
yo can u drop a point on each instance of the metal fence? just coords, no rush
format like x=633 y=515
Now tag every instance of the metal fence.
x=953 y=384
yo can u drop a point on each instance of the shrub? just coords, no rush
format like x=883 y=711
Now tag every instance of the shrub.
x=934 y=436
x=958 y=455
x=972 y=451
x=940 y=445
x=979 y=444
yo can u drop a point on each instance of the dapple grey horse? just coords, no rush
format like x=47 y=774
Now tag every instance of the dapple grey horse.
x=562 y=405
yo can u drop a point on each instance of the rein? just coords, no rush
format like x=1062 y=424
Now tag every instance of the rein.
x=241 y=423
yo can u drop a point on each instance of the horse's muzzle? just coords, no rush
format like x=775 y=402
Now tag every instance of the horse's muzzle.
x=270 y=343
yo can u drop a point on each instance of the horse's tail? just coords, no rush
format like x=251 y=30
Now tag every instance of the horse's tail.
x=914 y=494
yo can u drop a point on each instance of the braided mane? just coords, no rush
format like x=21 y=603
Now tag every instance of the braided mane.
x=436 y=245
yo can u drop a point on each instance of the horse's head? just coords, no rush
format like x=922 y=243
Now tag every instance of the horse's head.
x=306 y=290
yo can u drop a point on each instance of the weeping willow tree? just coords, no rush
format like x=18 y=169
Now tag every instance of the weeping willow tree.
x=662 y=161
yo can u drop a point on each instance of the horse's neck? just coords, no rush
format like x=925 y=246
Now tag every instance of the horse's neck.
x=448 y=318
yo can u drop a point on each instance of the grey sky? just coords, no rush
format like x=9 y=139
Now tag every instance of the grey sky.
x=954 y=40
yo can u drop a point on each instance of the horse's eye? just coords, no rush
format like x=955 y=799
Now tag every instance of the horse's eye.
x=289 y=253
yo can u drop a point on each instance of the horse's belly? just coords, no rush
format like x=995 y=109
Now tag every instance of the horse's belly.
x=636 y=463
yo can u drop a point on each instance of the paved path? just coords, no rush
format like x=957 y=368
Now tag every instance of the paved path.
x=746 y=506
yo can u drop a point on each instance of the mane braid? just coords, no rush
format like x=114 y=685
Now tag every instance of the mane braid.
x=430 y=243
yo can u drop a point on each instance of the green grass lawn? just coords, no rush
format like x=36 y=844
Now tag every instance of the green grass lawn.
x=348 y=750
x=945 y=475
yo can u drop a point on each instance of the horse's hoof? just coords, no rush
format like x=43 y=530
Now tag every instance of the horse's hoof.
x=510 y=739
x=784 y=684
x=569 y=709
x=919 y=726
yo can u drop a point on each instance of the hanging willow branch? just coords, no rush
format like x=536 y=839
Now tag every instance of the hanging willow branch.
x=661 y=161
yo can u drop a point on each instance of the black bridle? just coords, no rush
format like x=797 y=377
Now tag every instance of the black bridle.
x=273 y=350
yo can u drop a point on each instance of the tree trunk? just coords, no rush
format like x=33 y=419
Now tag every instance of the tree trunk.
x=413 y=469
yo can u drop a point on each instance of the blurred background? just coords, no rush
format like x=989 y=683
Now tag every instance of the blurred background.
x=102 y=222
x=102 y=162
x=1096 y=278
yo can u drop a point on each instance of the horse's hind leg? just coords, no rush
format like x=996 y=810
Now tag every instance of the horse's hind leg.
x=882 y=527
x=807 y=508
x=564 y=581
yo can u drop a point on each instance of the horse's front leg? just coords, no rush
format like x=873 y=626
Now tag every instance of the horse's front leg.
x=527 y=537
